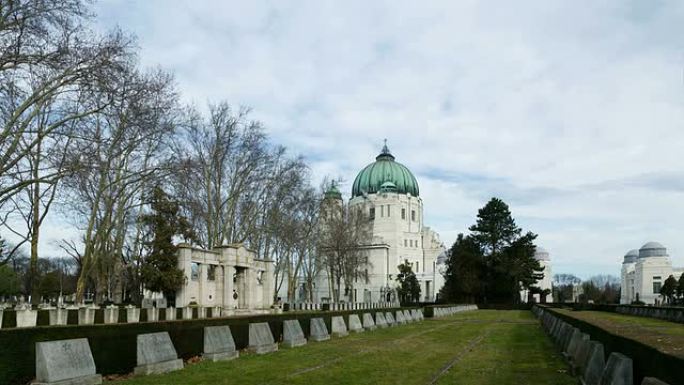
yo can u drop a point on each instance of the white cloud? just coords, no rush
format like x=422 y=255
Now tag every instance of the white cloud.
x=573 y=113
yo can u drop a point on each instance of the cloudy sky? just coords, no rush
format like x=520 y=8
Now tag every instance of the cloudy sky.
x=572 y=112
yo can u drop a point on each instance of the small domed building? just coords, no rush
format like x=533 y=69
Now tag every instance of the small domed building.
x=643 y=273
x=388 y=192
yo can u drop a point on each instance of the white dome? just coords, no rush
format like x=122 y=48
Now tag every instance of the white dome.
x=541 y=254
x=631 y=256
x=652 y=249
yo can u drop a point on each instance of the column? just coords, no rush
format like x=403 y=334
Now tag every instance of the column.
x=228 y=301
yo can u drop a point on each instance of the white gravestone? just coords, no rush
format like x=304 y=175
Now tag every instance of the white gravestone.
x=86 y=315
x=318 y=330
x=170 y=313
x=156 y=354
x=400 y=317
x=618 y=370
x=111 y=314
x=219 y=344
x=58 y=316
x=339 y=328
x=65 y=362
x=293 y=335
x=390 y=319
x=132 y=315
x=380 y=320
x=26 y=318
x=368 y=322
x=355 y=323
x=261 y=339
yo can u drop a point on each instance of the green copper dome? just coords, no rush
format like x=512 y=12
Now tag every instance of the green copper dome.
x=385 y=175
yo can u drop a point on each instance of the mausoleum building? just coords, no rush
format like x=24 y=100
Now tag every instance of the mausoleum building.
x=643 y=273
x=230 y=277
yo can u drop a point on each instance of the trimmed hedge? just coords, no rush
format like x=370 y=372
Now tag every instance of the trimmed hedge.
x=114 y=345
x=647 y=360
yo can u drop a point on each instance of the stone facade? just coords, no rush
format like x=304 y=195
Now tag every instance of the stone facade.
x=544 y=259
x=398 y=234
x=230 y=278
x=644 y=271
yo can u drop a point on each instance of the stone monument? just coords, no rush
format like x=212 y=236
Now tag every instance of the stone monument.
x=339 y=328
x=293 y=335
x=261 y=339
x=219 y=344
x=355 y=323
x=156 y=354
x=318 y=330
x=65 y=362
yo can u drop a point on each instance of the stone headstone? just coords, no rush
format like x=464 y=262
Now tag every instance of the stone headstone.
x=152 y=314
x=261 y=339
x=219 y=344
x=86 y=315
x=593 y=364
x=390 y=319
x=400 y=317
x=1 y=311
x=170 y=313
x=573 y=343
x=652 y=381
x=355 y=323
x=132 y=314
x=293 y=335
x=407 y=316
x=368 y=322
x=156 y=354
x=160 y=303
x=618 y=370
x=318 y=331
x=380 y=320
x=574 y=352
x=111 y=314
x=26 y=318
x=65 y=362
x=187 y=312
x=57 y=316
x=147 y=303
x=339 y=328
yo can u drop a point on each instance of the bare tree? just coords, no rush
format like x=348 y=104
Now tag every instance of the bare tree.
x=53 y=72
x=346 y=232
x=120 y=152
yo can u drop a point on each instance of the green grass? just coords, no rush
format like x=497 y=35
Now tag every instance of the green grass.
x=665 y=336
x=478 y=347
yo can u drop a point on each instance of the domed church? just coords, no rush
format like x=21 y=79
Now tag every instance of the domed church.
x=389 y=193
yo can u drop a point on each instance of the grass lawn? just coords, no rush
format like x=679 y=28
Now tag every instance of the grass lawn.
x=477 y=347
x=668 y=337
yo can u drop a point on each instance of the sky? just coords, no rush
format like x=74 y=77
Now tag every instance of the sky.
x=571 y=112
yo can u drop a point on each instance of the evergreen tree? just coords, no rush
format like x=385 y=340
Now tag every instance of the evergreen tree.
x=409 y=287
x=160 y=272
x=680 y=286
x=669 y=288
x=495 y=262
x=463 y=275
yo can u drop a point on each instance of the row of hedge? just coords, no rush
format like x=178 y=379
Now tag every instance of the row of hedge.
x=114 y=345
x=647 y=360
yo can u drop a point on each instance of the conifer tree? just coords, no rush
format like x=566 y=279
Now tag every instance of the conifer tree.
x=160 y=272
x=409 y=287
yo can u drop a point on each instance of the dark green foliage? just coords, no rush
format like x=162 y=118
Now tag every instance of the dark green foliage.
x=464 y=271
x=669 y=289
x=160 y=272
x=114 y=346
x=494 y=263
x=409 y=287
x=9 y=282
x=680 y=286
